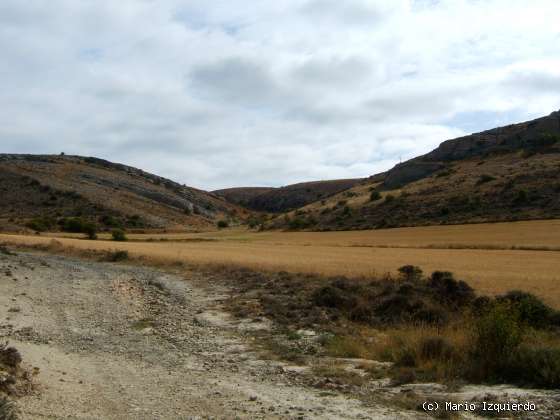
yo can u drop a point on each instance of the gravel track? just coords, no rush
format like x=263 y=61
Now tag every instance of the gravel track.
x=118 y=342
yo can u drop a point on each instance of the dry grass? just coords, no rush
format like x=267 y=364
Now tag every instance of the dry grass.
x=366 y=253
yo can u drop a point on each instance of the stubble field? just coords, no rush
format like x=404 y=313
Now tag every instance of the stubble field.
x=493 y=258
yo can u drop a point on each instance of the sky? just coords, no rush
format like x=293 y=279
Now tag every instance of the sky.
x=225 y=93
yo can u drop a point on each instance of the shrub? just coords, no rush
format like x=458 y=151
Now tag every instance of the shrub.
x=134 y=221
x=435 y=348
x=187 y=211
x=298 y=223
x=389 y=198
x=8 y=409
x=537 y=367
x=118 y=235
x=330 y=297
x=410 y=272
x=483 y=179
x=116 y=256
x=521 y=197
x=253 y=223
x=531 y=309
x=222 y=224
x=449 y=290
x=9 y=356
x=90 y=230
x=374 y=196
x=39 y=224
x=110 y=221
x=498 y=334
x=73 y=225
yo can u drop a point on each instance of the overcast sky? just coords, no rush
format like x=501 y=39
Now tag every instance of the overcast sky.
x=217 y=94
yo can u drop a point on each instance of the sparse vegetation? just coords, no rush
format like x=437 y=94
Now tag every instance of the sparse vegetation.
x=483 y=179
x=116 y=256
x=8 y=409
x=374 y=196
x=431 y=328
x=118 y=235
x=389 y=198
x=222 y=224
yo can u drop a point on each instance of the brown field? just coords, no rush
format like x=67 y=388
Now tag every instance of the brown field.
x=493 y=258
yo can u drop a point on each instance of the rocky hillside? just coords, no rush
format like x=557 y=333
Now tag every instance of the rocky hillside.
x=507 y=173
x=40 y=192
x=242 y=195
x=276 y=200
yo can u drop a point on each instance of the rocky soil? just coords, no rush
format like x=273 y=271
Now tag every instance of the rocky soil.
x=111 y=341
x=115 y=342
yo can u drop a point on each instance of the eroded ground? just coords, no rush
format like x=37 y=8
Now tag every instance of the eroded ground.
x=117 y=342
x=114 y=341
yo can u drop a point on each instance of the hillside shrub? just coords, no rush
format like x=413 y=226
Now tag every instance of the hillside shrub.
x=118 y=235
x=222 y=224
x=298 y=223
x=389 y=198
x=374 y=196
x=135 y=221
x=73 y=225
x=483 y=179
x=521 y=197
x=111 y=221
x=41 y=224
x=90 y=230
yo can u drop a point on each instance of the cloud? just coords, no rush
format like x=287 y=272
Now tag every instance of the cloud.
x=232 y=93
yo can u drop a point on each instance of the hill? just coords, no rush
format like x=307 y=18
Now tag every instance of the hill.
x=276 y=200
x=242 y=195
x=43 y=191
x=503 y=174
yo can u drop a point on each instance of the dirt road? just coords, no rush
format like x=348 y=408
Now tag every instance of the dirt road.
x=119 y=342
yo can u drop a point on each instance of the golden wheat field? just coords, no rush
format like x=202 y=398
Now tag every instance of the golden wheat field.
x=493 y=258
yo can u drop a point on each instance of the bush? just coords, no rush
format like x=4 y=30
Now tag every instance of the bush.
x=410 y=272
x=90 y=230
x=521 y=197
x=498 y=334
x=119 y=235
x=389 y=198
x=110 y=221
x=41 y=224
x=9 y=356
x=449 y=290
x=73 y=225
x=222 y=224
x=330 y=297
x=483 y=179
x=435 y=348
x=298 y=223
x=536 y=367
x=531 y=309
x=8 y=409
x=374 y=196
x=116 y=256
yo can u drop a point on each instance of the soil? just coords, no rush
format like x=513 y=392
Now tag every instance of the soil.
x=115 y=342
